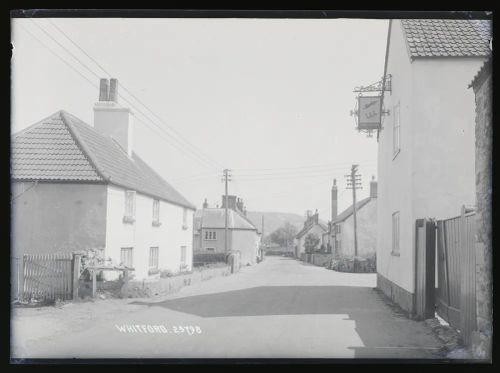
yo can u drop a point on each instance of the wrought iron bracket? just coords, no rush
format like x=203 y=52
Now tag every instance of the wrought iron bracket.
x=377 y=87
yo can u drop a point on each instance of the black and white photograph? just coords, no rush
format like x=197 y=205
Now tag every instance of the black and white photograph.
x=251 y=187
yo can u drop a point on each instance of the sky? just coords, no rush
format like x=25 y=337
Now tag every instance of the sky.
x=269 y=99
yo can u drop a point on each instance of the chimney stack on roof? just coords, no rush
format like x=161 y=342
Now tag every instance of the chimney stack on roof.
x=103 y=90
x=334 y=200
x=113 y=90
x=111 y=119
x=205 y=204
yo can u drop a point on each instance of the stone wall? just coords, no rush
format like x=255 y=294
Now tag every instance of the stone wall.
x=481 y=340
x=321 y=259
x=354 y=264
x=163 y=286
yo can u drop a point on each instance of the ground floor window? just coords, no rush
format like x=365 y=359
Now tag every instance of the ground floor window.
x=183 y=255
x=126 y=256
x=153 y=257
x=210 y=249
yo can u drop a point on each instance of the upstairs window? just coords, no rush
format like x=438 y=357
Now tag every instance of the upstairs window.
x=395 y=233
x=129 y=216
x=184 y=219
x=210 y=235
x=396 y=135
x=156 y=212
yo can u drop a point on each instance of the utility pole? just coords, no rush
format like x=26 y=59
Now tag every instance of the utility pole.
x=262 y=239
x=354 y=182
x=226 y=179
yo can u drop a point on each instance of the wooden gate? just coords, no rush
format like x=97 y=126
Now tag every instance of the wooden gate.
x=47 y=277
x=455 y=293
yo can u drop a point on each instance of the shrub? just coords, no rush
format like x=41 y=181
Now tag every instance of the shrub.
x=208 y=258
x=166 y=273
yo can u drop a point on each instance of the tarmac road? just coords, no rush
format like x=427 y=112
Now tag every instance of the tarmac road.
x=280 y=308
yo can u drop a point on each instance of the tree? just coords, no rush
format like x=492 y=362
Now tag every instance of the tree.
x=311 y=242
x=284 y=235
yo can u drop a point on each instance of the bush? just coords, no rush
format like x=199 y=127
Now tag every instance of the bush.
x=208 y=258
x=166 y=273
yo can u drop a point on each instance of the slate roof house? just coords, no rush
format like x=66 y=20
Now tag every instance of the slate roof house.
x=342 y=227
x=209 y=232
x=77 y=187
x=426 y=145
x=311 y=225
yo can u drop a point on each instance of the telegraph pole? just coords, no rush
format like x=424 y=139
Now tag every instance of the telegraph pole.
x=225 y=179
x=354 y=182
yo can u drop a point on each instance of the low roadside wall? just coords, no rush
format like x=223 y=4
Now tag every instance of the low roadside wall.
x=167 y=285
x=354 y=265
x=321 y=260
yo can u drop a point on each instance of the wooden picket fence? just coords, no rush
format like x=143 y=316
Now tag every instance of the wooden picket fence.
x=48 y=276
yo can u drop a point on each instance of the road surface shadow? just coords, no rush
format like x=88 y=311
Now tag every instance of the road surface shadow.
x=384 y=333
x=275 y=300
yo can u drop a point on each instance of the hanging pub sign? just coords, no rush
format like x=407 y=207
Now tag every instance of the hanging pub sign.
x=369 y=112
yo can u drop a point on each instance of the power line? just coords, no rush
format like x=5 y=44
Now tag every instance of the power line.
x=59 y=57
x=135 y=97
x=198 y=157
x=302 y=167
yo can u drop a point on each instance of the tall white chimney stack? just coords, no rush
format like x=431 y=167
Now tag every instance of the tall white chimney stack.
x=334 y=199
x=112 y=119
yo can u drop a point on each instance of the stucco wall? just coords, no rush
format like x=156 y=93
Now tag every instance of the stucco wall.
x=54 y=217
x=246 y=242
x=433 y=175
x=317 y=230
x=367 y=231
x=394 y=173
x=141 y=235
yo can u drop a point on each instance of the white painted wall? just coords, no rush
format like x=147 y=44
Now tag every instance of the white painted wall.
x=433 y=175
x=316 y=229
x=142 y=235
x=366 y=219
x=247 y=243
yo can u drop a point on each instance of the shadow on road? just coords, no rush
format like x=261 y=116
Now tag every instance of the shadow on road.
x=272 y=300
x=383 y=332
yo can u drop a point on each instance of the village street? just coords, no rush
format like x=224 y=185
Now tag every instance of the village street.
x=322 y=314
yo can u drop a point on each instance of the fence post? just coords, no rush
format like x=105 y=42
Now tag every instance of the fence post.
x=22 y=280
x=94 y=282
x=75 y=268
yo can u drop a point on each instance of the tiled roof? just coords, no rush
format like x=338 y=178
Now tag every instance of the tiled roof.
x=215 y=218
x=349 y=211
x=63 y=148
x=48 y=151
x=447 y=37
x=307 y=228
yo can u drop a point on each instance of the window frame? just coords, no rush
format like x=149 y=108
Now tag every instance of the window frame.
x=184 y=219
x=130 y=206
x=154 y=258
x=210 y=235
x=131 y=250
x=396 y=130
x=396 y=234
x=183 y=256
x=156 y=213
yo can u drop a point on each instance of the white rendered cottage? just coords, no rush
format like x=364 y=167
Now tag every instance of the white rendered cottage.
x=77 y=187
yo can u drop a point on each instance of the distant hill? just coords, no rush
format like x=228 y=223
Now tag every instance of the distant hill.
x=274 y=220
